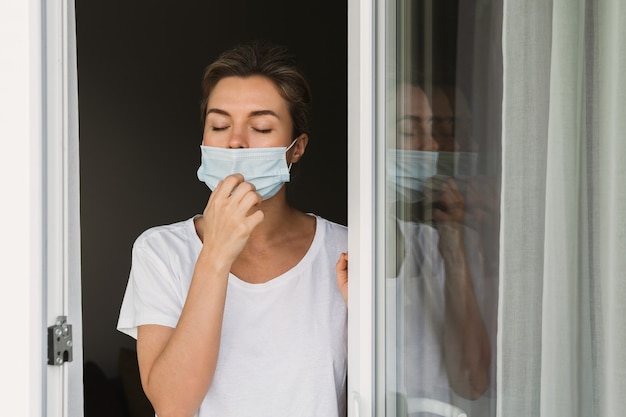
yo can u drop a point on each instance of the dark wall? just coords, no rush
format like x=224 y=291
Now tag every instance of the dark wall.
x=139 y=67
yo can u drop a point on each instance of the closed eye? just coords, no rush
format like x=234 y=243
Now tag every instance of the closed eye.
x=218 y=128
x=262 y=130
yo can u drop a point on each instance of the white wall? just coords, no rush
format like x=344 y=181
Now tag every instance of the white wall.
x=21 y=348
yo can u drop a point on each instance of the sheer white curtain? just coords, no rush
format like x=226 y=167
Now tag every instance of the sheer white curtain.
x=562 y=312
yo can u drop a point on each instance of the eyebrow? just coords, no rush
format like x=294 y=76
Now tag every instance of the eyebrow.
x=251 y=114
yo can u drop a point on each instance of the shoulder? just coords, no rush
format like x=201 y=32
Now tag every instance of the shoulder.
x=167 y=237
x=330 y=226
x=332 y=234
x=422 y=233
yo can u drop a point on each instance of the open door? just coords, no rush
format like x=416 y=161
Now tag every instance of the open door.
x=61 y=206
x=423 y=141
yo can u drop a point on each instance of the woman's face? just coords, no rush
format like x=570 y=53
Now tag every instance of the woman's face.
x=414 y=125
x=247 y=113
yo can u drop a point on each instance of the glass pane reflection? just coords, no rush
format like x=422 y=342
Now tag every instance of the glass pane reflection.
x=442 y=209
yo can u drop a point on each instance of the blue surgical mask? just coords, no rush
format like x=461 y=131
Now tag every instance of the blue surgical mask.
x=408 y=170
x=265 y=168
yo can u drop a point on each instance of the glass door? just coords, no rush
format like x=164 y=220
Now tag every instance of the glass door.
x=440 y=210
x=424 y=173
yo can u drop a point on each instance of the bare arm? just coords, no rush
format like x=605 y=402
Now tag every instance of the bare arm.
x=177 y=365
x=466 y=343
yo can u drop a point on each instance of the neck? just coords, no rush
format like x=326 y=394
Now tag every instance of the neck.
x=279 y=219
x=278 y=216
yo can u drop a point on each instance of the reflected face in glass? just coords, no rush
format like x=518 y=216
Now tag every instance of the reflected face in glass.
x=247 y=113
x=452 y=121
x=414 y=123
x=443 y=122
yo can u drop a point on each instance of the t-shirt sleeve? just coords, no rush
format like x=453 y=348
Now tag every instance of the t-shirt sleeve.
x=153 y=293
x=336 y=237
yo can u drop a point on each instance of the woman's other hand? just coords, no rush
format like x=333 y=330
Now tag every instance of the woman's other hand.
x=342 y=275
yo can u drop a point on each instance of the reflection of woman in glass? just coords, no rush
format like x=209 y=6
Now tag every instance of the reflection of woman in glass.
x=443 y=323
x=445 y=344
x=442 y=344
x=237 y=311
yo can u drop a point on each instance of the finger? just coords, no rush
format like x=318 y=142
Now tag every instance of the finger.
x=254 y=219
x=450 y=195
x=440 y=215
x=243 y=197
x=454 y=188
x=438 y=181
x=248 y=201
x=242 y=190
x=342 y=263
x=452 y=184
x=214 y=194
x=226 y=187
x=341 y=269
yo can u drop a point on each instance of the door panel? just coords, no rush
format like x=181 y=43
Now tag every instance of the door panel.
x=423 y=189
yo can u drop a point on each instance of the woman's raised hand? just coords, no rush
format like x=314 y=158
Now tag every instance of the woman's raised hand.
x=176 y=383
x=230 y=216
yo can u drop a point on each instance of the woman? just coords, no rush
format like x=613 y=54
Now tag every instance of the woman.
x=433 y=290
x=237 y=311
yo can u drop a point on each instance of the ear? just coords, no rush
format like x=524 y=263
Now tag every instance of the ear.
x=299 y=147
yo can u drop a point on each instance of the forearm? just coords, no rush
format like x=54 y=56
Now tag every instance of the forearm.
x=466 y=343
x=180 y=375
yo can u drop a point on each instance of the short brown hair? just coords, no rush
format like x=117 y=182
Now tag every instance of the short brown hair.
x=271 y=61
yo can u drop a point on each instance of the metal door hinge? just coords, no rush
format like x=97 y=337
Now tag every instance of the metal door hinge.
x=60 y=342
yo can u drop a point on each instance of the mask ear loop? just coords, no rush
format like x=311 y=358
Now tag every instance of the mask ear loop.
x=287 y=150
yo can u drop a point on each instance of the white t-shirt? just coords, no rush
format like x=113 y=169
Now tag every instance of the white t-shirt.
x=415 y=318
x=283 y=347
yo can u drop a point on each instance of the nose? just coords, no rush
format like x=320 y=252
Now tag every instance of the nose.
x=237 y=138
x=429 y=143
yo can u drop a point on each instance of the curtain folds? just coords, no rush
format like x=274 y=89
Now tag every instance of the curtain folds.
x=563 y=227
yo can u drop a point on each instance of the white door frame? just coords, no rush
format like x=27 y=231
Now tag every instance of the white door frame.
x=40 y=243
x=64 y=390
x=362 y=205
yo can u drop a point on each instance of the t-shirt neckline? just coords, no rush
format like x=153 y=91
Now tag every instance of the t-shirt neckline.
x=285 y=276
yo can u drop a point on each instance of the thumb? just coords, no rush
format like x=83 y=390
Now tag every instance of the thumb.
x=341 y=268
